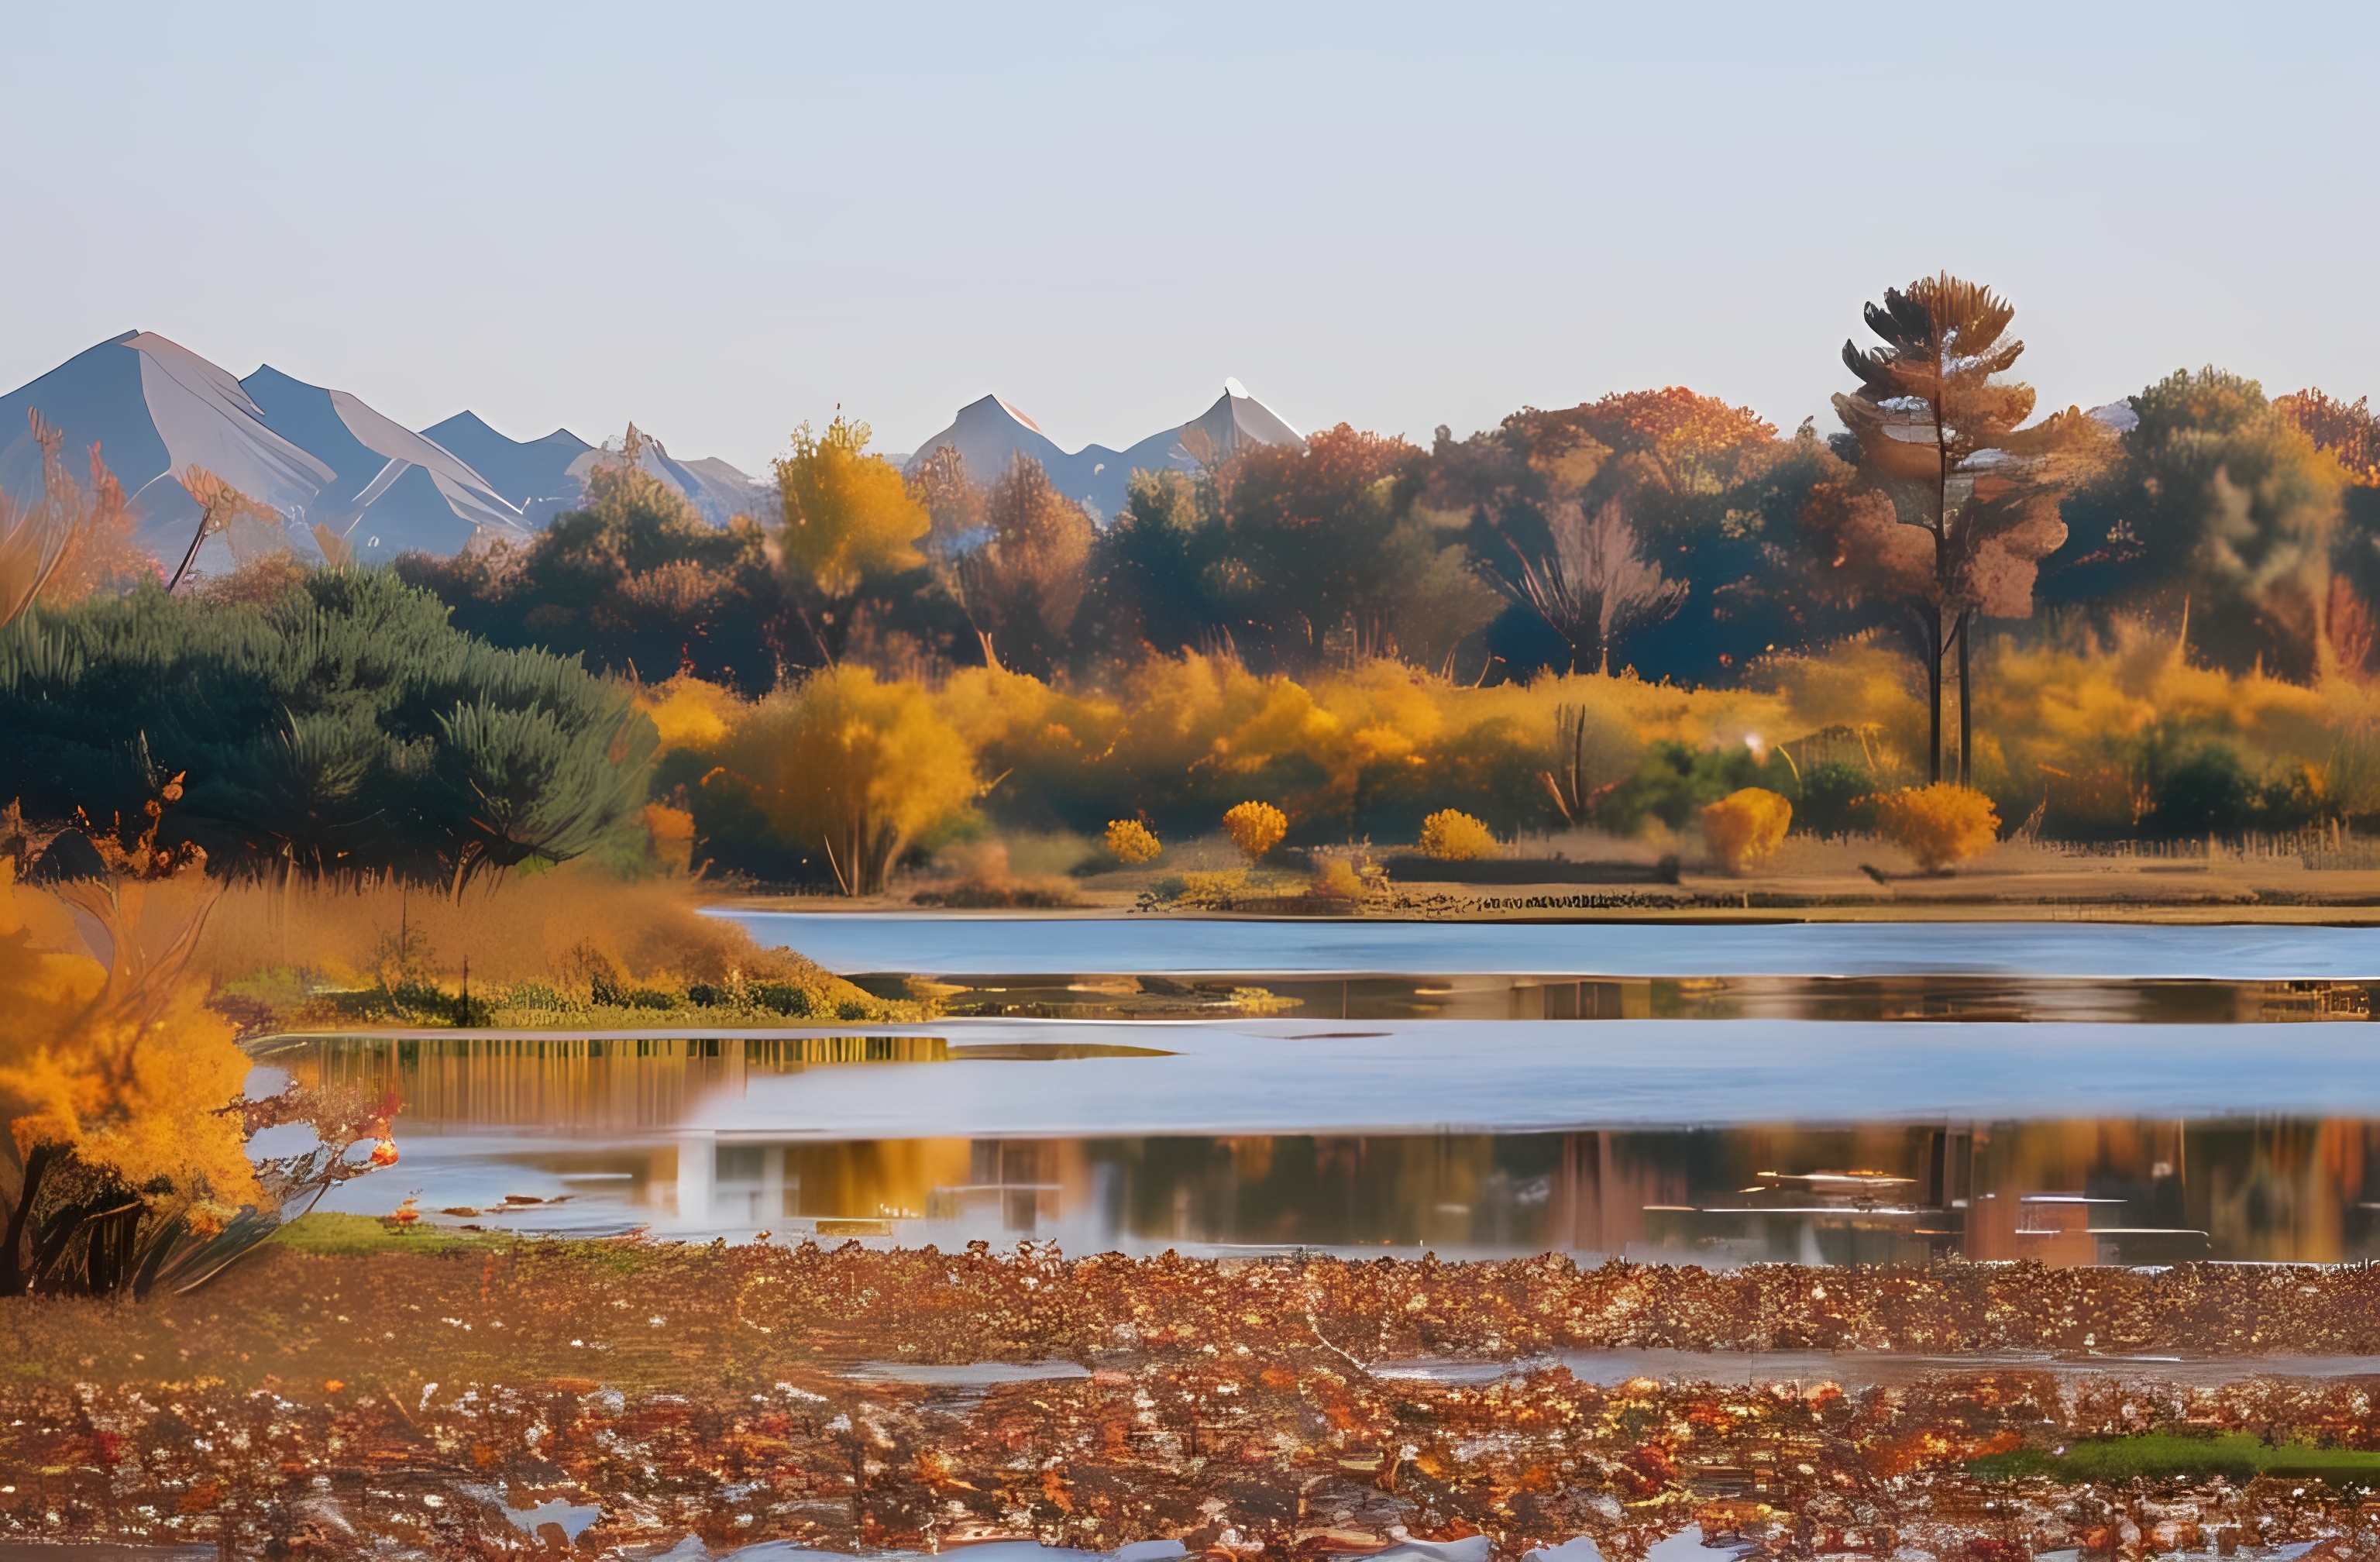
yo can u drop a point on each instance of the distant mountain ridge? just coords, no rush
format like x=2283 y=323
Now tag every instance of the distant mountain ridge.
x=318 y=457
x=331 y=464
x=990 y=432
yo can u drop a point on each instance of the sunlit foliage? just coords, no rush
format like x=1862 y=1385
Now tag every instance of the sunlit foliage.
x=1023 y=583
x=1255 y=827
x=1132 y=843
x=67 y=543
x=1744 y=828
x=1941 y=825
x=846 y=769
x=847 y=513
x=1452 y=836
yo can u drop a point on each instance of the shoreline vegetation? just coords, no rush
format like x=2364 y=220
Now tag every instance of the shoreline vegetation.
x=351 y=1388
x=1645 y=630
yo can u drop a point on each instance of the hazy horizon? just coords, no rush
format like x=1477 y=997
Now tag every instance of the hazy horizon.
x=1386 y=216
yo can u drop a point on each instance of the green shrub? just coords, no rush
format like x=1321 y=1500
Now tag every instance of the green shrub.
x=344 y=726
x=779 y=997
x=2209 y=793
x=1675 y=781
x=1830 y=797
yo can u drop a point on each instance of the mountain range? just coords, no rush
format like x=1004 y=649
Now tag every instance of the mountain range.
x=347 y=480
x=988 y=433
x=328 y=463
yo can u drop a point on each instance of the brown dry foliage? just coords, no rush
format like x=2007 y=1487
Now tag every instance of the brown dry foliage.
x=336 y=1404
x=550 y=927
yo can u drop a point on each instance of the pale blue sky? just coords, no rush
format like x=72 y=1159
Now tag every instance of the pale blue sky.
x=721 y=221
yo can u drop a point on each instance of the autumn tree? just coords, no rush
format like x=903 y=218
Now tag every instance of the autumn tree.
x=1954 y=503
x=2347 y=429
x=1708 y=491
x=1321 y=552
x=69 y=543
x=849 y=518
x=844 y=770
x=636 y=581
x=124 y=1165
x=1148 y=589
x=953 y=502
x=2221 y=507
x=251 y=528
x=1023 y=583
x=1591 y=586
x=2350 y=433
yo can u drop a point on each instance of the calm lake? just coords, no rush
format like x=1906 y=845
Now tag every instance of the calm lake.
x=2075 y=1094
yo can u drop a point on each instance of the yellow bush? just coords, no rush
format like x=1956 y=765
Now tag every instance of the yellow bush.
x=116 y=1061
x=1452 y=836
x=1941 y=825
x=690 y=714
x=1337 y=880
x=1132 y=842
x=1256 y=828
x=1743 y=829
x=851 y=767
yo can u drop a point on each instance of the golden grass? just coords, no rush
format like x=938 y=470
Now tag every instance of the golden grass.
x=565 y=946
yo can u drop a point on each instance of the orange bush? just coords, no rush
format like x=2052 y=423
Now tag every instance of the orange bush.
x=1744 y=828
x=1256 y=828
x=1941 y=825
x=1452 y=836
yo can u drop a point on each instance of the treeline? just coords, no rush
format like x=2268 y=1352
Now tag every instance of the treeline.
x=1647 y=530
x=1663 y=531
x=2151 y=618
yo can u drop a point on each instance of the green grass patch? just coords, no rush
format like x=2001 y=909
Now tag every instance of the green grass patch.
x=329 y=1235
x=2168 y=1456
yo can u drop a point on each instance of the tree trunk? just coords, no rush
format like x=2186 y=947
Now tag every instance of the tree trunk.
x=1966 y=706
x=14 y=1278
x=1934 y=694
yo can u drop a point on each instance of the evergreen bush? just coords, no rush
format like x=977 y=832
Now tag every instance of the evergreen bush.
x=344 y=724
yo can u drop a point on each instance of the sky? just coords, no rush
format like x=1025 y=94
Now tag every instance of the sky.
x=724 y=221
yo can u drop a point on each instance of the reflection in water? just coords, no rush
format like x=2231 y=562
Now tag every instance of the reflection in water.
x=1493 y=997
x=616 y=1126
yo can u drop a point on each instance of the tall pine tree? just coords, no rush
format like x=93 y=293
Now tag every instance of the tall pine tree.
x=1953 y=502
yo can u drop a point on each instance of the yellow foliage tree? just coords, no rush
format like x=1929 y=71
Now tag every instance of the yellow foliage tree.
x=1941 y=825
x=1744 y=828
x=1452 y=836
x=126 y=1163
x=1132 y=842
x=853 y=767
x=1256 y=828
x=848 y=514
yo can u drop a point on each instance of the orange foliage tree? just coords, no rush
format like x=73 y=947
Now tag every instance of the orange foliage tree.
x=2348 y=430
x=1954 y=504
x=69 y=543
x=125 y=1164
x=1022 y=587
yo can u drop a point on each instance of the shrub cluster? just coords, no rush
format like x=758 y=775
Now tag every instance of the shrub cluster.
x=1744 y=828
x=344 y=723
